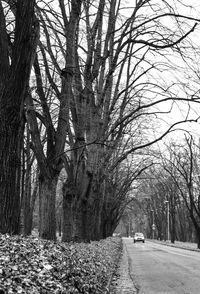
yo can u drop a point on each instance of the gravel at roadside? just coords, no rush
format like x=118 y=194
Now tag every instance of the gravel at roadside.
x=122 y=282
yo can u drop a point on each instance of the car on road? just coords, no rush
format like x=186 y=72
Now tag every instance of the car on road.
x=138 y=237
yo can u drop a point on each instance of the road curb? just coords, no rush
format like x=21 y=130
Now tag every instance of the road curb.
x=124 y=284
x=113 y=273
x=174 y=245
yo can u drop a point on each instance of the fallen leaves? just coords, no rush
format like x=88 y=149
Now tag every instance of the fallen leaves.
x=30 y=265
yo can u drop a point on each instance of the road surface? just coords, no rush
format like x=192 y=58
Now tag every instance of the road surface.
x=159 y=269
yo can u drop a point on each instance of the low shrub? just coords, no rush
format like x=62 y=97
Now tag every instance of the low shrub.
x=31 y=265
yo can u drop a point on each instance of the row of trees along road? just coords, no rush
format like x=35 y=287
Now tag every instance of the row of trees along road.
x=172 y=187
x=99 y=71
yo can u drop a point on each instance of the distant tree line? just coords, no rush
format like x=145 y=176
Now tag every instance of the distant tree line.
x=171 y=199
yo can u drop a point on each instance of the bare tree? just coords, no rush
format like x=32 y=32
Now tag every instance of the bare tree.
x=186 y=165
x=109 y=99
x=49 y=155
x=107 y=72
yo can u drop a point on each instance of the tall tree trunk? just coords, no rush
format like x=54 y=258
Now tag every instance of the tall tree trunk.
x=172 y=217
x=197 y=228
x=26 y=199
x=13 y=85
x=173 y=225
x=94 y=215
x=68 y=223
x=79 y=211
x=47 y=207
x=27 y=217
x=80 y=228
x=10 y=174
x=198 y=238
x=28 y=206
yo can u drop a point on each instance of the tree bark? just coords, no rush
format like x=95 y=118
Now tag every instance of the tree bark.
x=13 y=85
x=28 y=205
x=197 y=228
x=173 y=222
x=27 y=217
x=10 y=174
x=47 y=196
x=68 y=198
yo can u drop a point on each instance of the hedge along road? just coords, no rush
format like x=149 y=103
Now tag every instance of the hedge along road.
x=158 y=269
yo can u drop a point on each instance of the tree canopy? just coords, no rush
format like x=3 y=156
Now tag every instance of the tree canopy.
x=104 y=75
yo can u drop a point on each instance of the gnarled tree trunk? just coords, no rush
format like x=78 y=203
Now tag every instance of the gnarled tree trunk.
x=47 y=200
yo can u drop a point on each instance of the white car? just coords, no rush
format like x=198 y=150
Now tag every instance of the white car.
x=138 y=237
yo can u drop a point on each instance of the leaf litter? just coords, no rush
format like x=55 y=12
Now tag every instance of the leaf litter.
x=34 y=266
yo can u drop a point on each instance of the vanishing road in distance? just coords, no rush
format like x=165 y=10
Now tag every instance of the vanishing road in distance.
x=159 y=269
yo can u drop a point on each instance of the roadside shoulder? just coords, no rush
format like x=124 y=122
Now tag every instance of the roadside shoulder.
x=122 y=283
x=183 y=245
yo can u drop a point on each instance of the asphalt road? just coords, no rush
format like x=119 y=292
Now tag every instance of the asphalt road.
x=158 y=269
